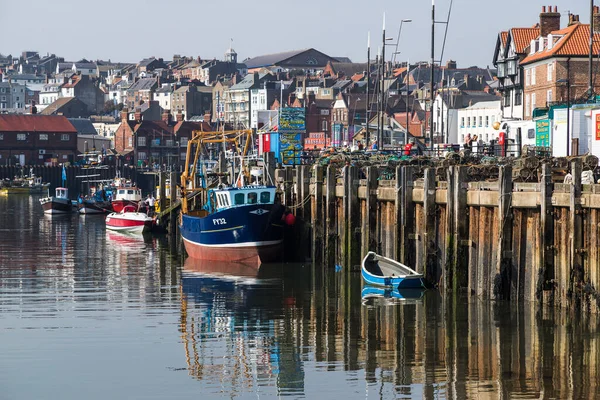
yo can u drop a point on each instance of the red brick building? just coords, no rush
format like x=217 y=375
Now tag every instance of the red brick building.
x=36 y=139
x=556 y=67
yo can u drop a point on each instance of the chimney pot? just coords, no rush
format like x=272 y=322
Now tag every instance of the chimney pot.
x=543 y=9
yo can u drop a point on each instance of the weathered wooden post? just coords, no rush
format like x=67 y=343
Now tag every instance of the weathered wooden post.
x=353 y=235
x=269 y=169
x=317 y=216
x=303 y=185
x=397 y=215
x=371 y=220
x=162 y=185
x=173 y=198
x=288 y=185
x=461 y=229
x=449 y=260
x=546 y=251
x=501 y=275
x=576 y=235
x=432 y=275
x=222 y=163
x=345 y=217
x=330 y=220
x=407 y=214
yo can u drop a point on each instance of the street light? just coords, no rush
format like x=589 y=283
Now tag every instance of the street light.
x=398 y=39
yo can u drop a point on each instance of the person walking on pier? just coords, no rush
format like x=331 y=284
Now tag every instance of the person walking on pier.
x=467 y=143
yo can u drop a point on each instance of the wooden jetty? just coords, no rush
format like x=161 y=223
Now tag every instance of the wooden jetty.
x=497 y=239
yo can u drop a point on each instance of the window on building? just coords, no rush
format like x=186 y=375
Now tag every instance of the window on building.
x=324 y=126
x=3 y=98
x=43 y=136
x=487 y=121
x=21 y=136
x=182 y=156
x=142 y=155
x=533 y=76
x=550 y=76
x=507 y=99
x=184 y=142
x=533 y=102
x=474 y=121
x=549 y=96
x=468 y=121
x=462 y=122
x=252 y=197
x=1 y=136
x=527 y=106
x=480 y=121
x=265 y=197
x=518 y=97
x=65 y=137
x=141 y=141
x=169 y=142
x=528 y=77
x=130 y=142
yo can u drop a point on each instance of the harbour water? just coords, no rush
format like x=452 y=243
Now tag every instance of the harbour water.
x=86 y=313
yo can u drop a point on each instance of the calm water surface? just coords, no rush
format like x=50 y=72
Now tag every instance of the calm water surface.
x=86 y=313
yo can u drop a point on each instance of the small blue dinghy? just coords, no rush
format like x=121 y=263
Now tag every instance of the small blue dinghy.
x=383 y=271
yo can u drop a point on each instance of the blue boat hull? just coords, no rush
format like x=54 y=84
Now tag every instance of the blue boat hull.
x=393 y=281
x=249 y=233
x=388 y=292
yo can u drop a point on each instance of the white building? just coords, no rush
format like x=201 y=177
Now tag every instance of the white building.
x=163 y=96
x=478 y=119
x=49 y=94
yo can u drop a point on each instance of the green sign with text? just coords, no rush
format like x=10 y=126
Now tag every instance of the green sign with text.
x=542 y=133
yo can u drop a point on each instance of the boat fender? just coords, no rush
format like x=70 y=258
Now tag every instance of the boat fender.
x=290 y=219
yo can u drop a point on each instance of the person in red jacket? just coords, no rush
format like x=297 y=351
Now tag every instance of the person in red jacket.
x=408 y=148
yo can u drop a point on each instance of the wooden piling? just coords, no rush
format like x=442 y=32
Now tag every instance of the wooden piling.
x=461 y=242
x=407 y=213
x=353 y=220
x=288 y=186
x=270 y=165
x=162 y=185
x=331 y=234
x=371 y=216
x=432 y=274
x=502 y=273
x=303 y=184
x=544 y=287
x=317 y=217
x=576 y=235
x=172 y=199
x=449 y=257
x=398 y=252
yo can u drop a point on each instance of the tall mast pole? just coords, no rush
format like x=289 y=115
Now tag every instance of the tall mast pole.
x=382 y=92
x=591 y=61
x=406 y=86
x=378 y=87
x=432 y=96
x=368 y=106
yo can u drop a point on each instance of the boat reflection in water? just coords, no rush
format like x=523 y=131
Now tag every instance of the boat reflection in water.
x=229 y=315
x=128 y=243
x=374 y=295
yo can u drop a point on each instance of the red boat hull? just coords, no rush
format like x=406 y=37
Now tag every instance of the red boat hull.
x=249 y=255
x=123 y=223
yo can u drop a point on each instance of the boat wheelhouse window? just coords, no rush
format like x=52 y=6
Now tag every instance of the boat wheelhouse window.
x=252 y=197
x=239 y=199
x=130 y=192
x=265 y=197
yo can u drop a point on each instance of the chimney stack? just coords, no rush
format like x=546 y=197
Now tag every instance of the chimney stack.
x=573 y=19
x=124 y=114
x=166 y=117
x=138 y=115
x=179 y=117
x=596 y=19
x=549 y=20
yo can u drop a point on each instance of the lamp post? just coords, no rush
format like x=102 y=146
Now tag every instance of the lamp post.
x=398 y=39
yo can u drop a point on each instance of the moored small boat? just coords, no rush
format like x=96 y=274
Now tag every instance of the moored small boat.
x=29 y=185
x=126 y=196
x=92 y=206
x=59 y=203
x=383 y=271
x=129 y=220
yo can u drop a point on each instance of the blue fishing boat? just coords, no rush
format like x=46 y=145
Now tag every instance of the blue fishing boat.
x=236 y=222
x=383 y=271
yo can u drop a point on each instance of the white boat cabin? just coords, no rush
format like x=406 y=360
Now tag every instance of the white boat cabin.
x=61 y=193
x=128 y=193
x=237 y=197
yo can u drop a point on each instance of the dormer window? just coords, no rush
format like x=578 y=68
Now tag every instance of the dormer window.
x=550 y=41
x=541 y=45
x=532 y=47
x=501 y=70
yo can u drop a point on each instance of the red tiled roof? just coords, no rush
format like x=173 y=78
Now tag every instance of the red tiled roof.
x=400 y=71
x=414 y=128
x=191 y=126
x=522 y=37
x=35 y=123
x=575 y=42
x=503 y=37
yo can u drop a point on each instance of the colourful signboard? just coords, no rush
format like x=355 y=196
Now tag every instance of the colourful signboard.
x=542 y=133
x=597 y=126
x=292 y=120
x=290 y=147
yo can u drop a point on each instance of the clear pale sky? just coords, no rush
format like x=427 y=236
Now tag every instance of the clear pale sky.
x=129 y=31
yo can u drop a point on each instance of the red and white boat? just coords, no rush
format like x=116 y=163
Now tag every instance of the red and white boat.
x=129 y=220
x=126 y=196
